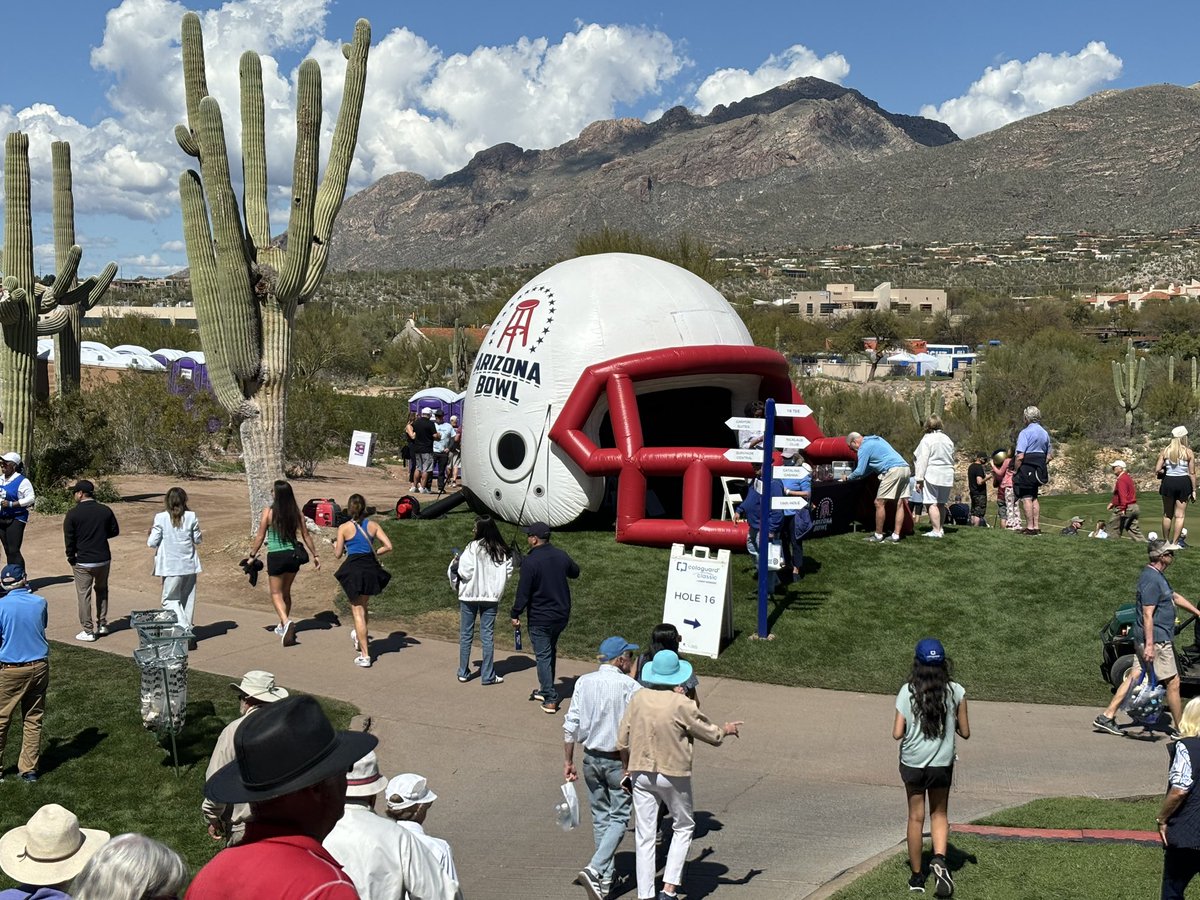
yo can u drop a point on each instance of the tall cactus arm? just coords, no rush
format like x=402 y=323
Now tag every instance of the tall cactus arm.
x=18 y=216
x=54 y=322
x=64 y=280
x=195 y=85
x=231 y=291
x=215 y=333
x=254 y=153
x=88 y=292
x=12 y=302
x=1118 y=383
x=1138 y=384
x=341 y=155
x=304 y=182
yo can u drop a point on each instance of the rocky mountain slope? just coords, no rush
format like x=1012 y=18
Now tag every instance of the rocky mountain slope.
x=807 y=163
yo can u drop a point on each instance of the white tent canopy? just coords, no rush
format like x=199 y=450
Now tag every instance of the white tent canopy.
x=925 y=358
x=437 y=393
x=901 y=359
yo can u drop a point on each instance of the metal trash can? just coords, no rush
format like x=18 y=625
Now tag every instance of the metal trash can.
x=162 y=658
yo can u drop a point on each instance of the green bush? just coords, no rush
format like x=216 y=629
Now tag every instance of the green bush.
x=311 y=431
x=1170 y=402
x=146 y=428
x=143 y=331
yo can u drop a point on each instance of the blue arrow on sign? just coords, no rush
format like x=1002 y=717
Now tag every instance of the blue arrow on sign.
x=693 y=622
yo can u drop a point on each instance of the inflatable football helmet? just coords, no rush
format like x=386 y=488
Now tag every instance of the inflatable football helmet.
x=616 y=372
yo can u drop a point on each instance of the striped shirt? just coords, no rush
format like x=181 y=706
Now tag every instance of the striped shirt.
x=597 y=705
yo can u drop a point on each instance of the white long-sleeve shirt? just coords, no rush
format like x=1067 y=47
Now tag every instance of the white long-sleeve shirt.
x=439 y=848
x=385 y=861
x=177 y=553
x=935 y=459
x=480 y=578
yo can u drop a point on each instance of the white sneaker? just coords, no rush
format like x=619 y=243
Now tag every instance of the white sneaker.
x=894 y=538
x=363 y=661
x=288 y=638
x=934 y=534
x=279 y=630
x=85 y=636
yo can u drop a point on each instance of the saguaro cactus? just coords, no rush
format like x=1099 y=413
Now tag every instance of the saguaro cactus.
x=927 y=403
x=1129 y=380
x=245 y=289
x=971 y=391
x=22 y=300
x=460 y=358
x=67 y=326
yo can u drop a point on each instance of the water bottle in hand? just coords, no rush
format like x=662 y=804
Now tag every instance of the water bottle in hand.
x=517 y=638
x=562 y=815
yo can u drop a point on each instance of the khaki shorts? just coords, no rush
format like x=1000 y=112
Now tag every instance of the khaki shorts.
x=1164 y=660
x=893 y=484
x=937 y=493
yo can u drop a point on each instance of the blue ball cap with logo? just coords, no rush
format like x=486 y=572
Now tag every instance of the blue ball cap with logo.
x=611 y=648
x=931 y=652
x=12 y=574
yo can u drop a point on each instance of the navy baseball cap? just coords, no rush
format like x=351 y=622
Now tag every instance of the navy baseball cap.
x=931 y=652
x=12 y=575
x=611 y=648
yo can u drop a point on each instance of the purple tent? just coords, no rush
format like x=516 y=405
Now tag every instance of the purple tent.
x=186 y=376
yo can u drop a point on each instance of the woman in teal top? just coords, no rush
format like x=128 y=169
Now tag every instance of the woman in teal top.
x=930 y=710
x=281 y=527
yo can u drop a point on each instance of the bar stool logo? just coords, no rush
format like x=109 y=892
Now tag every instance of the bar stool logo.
x=511 y=364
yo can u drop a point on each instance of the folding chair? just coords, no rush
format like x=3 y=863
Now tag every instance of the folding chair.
x=731 y=498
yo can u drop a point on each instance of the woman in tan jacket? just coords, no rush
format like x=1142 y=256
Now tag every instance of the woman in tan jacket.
x=655 y=739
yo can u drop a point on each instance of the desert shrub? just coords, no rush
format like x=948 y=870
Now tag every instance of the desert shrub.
x=1081 y=463
x=142 y=427
x=143 y=331
x=312 y=429
x=843 y=410
x=1170 y=402
x=65 y=442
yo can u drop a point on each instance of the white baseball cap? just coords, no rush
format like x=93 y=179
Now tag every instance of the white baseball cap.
x=1117 y=462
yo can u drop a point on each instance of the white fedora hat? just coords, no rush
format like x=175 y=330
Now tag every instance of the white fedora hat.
x=259 y=685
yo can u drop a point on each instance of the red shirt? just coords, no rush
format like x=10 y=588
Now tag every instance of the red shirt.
x=269 y=864
x=1125 y=491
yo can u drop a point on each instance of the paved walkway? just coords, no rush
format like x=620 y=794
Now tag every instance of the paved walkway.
x=809 y=790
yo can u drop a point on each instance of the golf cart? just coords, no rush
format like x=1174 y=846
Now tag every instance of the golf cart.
x=1116 y=641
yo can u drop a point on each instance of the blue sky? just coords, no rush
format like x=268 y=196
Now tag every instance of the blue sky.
x=446 y=80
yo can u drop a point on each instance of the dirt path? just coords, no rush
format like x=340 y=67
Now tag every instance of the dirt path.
x=222 y=503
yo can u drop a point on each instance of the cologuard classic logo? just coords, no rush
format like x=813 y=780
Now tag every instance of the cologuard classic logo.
x=508 y=360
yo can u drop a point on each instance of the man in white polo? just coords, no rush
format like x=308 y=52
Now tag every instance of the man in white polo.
x=228 y=822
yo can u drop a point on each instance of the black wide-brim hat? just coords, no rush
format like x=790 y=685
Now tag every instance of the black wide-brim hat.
x=285 y=747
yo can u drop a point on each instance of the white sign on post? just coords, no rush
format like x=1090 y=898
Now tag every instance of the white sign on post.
x=788 y=503
x=791 y=441
x=699 y=599
x=362 y=445
x=750 y=456
x=792 y=410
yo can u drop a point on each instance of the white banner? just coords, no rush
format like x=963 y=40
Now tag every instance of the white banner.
x=698 y=600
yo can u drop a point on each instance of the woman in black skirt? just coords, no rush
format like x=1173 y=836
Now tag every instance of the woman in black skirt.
x=281 y=528
x=361 y=576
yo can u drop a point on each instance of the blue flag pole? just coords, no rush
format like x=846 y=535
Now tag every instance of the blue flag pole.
x=764 y=520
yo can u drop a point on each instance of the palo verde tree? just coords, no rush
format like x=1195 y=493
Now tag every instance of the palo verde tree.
x=27 y=308
x=247 y=289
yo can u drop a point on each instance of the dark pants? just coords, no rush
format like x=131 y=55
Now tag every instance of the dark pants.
x=545 y=651
x=1180 y=864
x=441 y=460
x=12 y=533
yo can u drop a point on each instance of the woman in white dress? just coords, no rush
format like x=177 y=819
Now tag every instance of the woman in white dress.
x=176 y=536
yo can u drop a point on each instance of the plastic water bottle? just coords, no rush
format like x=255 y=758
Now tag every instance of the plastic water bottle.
x=517 y=637
x=562 y=815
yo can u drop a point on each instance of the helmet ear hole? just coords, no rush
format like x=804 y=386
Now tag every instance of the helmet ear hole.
x=539 y=491
x=511 y=450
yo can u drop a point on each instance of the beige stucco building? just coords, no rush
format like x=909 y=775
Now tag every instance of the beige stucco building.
x=838 y=300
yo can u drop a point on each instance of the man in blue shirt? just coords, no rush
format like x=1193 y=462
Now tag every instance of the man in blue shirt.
x=1154 y=617
x=1033 y=452
x=876 y=457
x=24 y=666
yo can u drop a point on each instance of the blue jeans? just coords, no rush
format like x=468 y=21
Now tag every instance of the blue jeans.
x=466 y=634
x=610 y=810
x=545 y=651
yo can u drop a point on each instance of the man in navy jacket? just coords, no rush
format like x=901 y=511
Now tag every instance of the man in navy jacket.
x=544 y=595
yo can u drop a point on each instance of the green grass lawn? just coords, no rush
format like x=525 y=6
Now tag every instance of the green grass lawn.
x=1020 y=615
x=100 y=763
x=1017 y=870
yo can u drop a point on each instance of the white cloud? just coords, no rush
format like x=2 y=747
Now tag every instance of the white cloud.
x=1017 y=89
x=729 y=85
x=173 y=246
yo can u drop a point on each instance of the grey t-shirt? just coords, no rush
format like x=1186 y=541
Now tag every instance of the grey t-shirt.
x=918 y=751
x=1153 y=590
